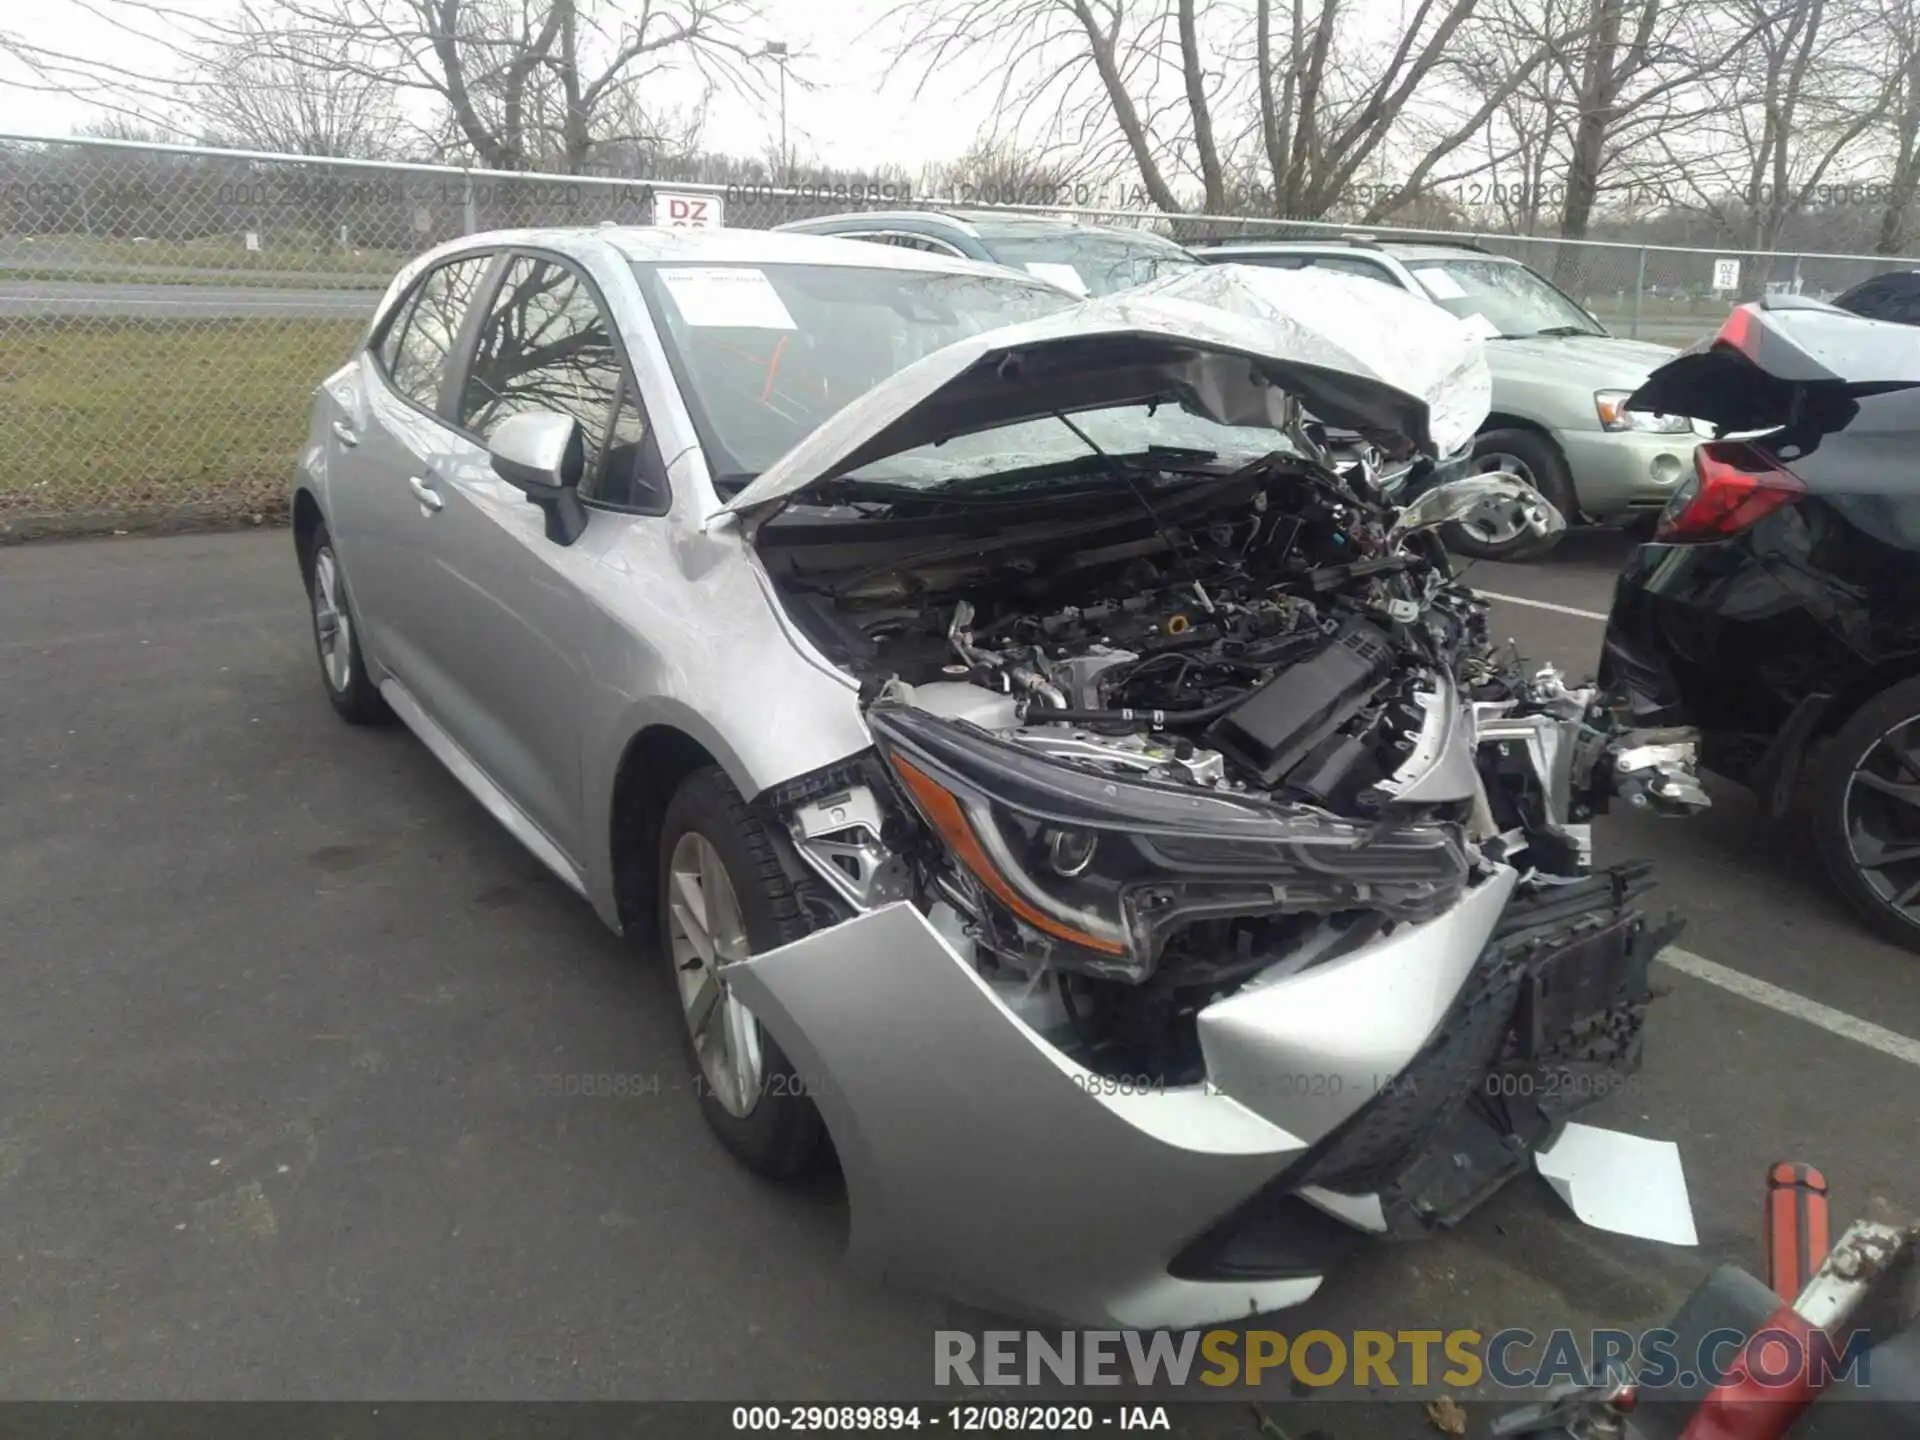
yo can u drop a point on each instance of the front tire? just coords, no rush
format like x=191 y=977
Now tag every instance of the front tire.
x=336 y=637
x=723 y=895
x=1499 y=534
x=1866 y=821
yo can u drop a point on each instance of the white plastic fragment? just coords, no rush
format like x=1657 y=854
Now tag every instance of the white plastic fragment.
x=1619 y=1182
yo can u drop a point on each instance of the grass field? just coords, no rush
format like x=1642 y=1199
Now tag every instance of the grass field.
x=138 y=418
x=222 y=260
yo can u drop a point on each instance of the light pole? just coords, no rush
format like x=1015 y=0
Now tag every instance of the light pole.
x=776 y=50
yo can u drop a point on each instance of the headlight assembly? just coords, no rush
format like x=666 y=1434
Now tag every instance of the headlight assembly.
x=1095 y=872
x=1611 y=406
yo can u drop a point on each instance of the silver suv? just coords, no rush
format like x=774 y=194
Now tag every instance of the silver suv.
x=1560 y=383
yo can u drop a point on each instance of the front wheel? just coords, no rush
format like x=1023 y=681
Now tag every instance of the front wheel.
x=1866 y=822
x=1498 y=529
x=724 y=896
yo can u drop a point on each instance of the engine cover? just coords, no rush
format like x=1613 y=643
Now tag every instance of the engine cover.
x=1277 y=726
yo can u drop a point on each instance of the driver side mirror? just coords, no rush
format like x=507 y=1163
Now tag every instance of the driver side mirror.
x=543 y=454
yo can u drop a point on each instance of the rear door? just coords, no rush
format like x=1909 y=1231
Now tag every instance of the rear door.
x=388 y=453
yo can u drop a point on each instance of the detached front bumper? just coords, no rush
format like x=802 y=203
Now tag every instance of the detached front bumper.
x=982 y=1163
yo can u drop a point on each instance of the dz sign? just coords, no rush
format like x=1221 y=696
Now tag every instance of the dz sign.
x=1726 y=274
x=694 y=212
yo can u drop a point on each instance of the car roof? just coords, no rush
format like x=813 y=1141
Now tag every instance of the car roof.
x=978 y=223
x=670 y=243
x=1398 y=249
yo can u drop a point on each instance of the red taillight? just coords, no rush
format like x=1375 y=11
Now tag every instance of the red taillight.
x=1738 y=328
x=1735 y=486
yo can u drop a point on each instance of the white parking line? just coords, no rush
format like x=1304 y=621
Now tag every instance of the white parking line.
x=1835 y=1022
x=1542 y=605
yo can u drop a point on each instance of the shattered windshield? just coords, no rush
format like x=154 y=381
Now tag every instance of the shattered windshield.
x=765 y=353
x=1090 y=262
x=1506 y=298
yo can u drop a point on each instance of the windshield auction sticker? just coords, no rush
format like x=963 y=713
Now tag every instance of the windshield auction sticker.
x=727 y=297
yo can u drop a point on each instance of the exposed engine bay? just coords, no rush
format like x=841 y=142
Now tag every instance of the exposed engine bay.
x=1146 y=749
x=1190 y=855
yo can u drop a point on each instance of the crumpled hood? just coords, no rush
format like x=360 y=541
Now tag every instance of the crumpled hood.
x=1603 y=362
x=1229 y=342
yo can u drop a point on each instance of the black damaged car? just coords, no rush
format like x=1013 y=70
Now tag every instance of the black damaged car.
x=1777 y=609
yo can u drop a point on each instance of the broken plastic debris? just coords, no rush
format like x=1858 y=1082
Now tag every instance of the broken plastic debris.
x=1446 y=1416
x=1624 y=1183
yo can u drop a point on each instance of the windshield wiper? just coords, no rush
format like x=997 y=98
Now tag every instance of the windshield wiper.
x=1559 y=330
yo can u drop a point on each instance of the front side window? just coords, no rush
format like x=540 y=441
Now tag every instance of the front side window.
x=418 y=344
x=765 y=353
x=547 y=345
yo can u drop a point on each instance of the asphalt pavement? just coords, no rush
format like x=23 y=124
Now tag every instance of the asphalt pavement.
x=280 y=1004
x=124 y=299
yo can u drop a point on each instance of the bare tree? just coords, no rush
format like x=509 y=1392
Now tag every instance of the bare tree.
x=1000 y=171
x=1176 y=89
x=1898 y=23
x=1619 y=74
x=532 y=83
x=517 y=84
x=299 y=97
x=1804 y=90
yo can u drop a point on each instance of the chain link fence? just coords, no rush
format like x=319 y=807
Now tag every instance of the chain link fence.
x=165 y=312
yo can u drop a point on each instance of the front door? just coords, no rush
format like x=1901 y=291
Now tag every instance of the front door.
x=509 y=608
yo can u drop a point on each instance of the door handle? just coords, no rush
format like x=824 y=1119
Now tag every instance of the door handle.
x=425 y=493
x=345 y=435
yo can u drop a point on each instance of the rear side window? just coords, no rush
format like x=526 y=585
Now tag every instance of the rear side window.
x=1886 y=297
x=416 y=348
x=548 y=345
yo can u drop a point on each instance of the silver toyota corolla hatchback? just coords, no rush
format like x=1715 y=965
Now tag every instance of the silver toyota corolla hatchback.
x=1059 y=778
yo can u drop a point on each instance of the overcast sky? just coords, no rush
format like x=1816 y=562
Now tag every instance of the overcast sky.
x=855 y=116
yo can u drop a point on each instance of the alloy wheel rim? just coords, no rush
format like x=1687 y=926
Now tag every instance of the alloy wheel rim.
x=1498 y=522
x=332 y=627
x=706 y=930
x=1882 y=814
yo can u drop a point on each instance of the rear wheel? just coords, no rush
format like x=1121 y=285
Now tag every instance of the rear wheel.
x=724 y=896
x=336 y=638
x=1498 y=530
x=1866 y=797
